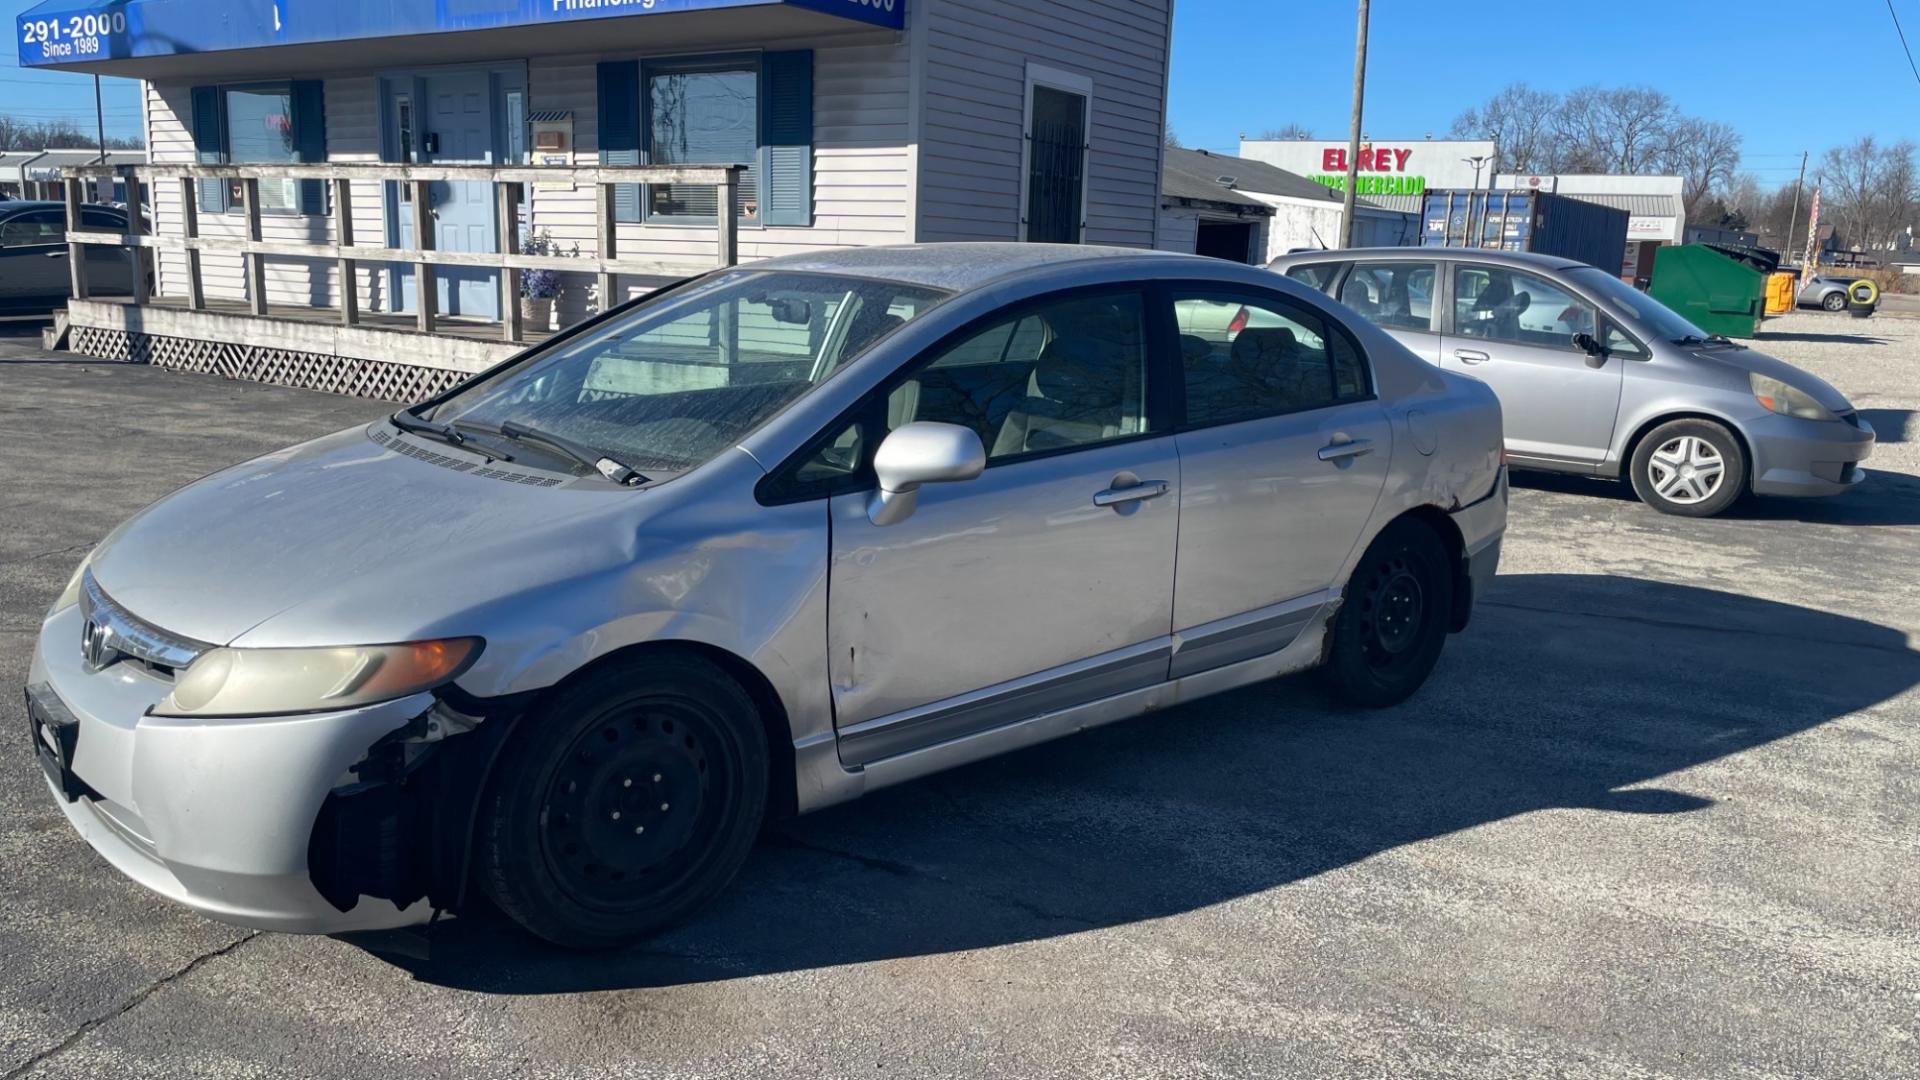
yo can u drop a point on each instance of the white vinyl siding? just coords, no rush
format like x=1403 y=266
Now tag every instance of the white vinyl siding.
x=972 y=143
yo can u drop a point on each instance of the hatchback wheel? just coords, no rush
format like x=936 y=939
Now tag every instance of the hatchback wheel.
x=1393 y=619
x=626 y=802
x=1834 y=301
x=1694 y=468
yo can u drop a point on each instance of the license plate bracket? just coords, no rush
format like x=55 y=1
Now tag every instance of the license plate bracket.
x=55 y=732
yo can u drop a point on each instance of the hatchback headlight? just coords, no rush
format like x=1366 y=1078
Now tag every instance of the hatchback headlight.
x=265 y=682
x=1776 y=396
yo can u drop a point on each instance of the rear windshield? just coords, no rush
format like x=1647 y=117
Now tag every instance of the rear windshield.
x=680 y=378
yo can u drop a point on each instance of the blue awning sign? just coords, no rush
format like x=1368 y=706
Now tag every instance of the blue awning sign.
x=78 y=31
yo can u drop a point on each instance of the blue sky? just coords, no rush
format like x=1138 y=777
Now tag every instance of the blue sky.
x=1245 y=65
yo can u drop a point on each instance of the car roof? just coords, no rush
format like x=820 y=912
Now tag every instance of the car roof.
x=14 y=206
x=960 y=267
x=1526 y=259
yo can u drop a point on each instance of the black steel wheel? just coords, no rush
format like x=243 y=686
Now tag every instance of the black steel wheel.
x=1393 y=617
x=626 y=802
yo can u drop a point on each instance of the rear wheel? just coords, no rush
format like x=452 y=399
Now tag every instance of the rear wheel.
x=626 y=803
x=1693 y=468
x=1393 y=619
x=1836 y=301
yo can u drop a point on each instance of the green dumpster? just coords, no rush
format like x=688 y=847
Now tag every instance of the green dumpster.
x=1720 y=295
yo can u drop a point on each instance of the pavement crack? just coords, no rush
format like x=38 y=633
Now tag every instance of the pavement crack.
x=903 y=870
x=88 y=1027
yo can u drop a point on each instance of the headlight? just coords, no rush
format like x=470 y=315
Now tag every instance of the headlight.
x=1776 y=396
x=264 y=682
x=70 y=595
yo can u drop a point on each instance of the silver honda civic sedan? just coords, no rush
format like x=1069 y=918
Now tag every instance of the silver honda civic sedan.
x=751 y=545
x=1600 y=379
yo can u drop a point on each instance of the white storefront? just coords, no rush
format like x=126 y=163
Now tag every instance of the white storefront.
x=1393 y=174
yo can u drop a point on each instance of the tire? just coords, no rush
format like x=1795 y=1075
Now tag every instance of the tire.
x=625 y=802
x=1834 y=301
x=1670 y=468
x=1393 y=619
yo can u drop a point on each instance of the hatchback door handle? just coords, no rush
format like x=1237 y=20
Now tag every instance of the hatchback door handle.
x=1471 y=356
x=1350 y=448
x=1145 y=489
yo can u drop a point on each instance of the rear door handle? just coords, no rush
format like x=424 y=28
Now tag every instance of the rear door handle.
x=1350 y=448
x=1145 y=489
x=1471 y=356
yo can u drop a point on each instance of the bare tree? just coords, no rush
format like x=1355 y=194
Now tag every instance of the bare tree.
x=1627 y=130
x=1173 y=139
x=1287 y=131
x=1518 y=118
x=61 y=134
x=1848 y=187
x=1705 y=154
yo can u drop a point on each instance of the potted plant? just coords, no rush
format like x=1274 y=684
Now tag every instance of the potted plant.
x=539 y=288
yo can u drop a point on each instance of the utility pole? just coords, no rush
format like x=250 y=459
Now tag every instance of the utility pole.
x=1794 y=218
x=100 y=118
x=1353 y=138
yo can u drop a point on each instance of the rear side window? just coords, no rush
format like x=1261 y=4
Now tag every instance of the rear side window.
x=1243 y=358
x=1392 y=294
x=1315 y=275
x=35 y=227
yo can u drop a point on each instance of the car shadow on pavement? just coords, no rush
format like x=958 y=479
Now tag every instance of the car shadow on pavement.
x=1544 y=704
x=1889 y=425
x=1828 y=339
x=1883 y=498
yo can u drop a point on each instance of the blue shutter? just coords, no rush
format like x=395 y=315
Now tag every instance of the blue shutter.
x=620 y=129
x=310 y=140
x=786 y=137
x=210 y=146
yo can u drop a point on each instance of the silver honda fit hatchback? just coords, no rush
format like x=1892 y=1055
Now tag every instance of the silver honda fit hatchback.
x=751 y=545
x=1600 y=379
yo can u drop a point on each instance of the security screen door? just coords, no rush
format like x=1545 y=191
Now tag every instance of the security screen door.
x=457 y=129
x=1056 y=165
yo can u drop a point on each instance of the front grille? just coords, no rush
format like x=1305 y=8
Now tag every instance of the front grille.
x=113 y=634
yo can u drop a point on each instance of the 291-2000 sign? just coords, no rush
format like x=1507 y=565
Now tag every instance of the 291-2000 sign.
x=73 y=33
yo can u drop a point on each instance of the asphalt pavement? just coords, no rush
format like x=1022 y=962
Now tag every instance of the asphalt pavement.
x=1656 y=815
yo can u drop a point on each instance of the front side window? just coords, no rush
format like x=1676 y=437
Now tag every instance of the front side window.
x=1245 y=358
x=673 y=382
x=1498 y=304
x=704 y=115
x=38 y=227
x=1393 y=294
x=260 y=132
x=1655 y=316
x=1315 y=275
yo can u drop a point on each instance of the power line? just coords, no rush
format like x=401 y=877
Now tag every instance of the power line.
x=1903 y=41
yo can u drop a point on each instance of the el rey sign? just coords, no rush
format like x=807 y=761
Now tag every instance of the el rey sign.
x=1382 y=171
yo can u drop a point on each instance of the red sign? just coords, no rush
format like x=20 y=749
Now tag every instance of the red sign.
x=1381 y=159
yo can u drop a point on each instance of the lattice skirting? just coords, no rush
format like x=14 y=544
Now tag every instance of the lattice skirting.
x=310 y=371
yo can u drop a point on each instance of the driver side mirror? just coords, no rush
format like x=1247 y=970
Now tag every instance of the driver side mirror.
x=922 y=452
x=1587 y=343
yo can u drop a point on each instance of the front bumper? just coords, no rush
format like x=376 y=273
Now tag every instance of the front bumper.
x=1792 y=456
x=214 y=814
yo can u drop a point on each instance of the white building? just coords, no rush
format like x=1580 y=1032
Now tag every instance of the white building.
x=858 y=121
x=1211 y=204
x=1393 y=175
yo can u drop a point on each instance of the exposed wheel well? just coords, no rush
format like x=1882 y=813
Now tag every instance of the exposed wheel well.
x=1639 y=435
x=1436 y=519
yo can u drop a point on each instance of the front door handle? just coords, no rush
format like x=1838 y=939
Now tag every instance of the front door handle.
x=1471 y=356
x=1350 y=448
x=1145 y=489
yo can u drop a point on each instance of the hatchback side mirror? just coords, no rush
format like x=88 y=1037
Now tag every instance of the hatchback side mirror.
x=1587 y=343
x=922 y=452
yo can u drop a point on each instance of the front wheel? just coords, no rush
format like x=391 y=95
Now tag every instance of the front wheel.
x=1693 y=468
x=1393 y=618
x=1834 y=301
x=625 y=802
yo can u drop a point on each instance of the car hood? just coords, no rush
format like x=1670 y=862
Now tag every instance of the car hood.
x=342 y=524
x=1757 y=362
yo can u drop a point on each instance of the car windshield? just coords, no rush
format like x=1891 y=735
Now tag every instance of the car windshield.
x=683 y=376
x=1655 y=316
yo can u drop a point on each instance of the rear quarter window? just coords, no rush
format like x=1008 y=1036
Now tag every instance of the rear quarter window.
x=1315 y=275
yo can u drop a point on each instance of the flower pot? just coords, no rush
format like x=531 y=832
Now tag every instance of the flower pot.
x=537 y=311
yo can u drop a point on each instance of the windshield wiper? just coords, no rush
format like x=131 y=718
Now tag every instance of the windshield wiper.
x=1710 y=339
x=599 y=462
x=406 y=421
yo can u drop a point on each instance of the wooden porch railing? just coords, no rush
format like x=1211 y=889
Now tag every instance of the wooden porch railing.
x=507 y=181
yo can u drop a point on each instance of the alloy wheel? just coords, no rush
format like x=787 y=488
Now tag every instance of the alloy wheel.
x=1686 y=470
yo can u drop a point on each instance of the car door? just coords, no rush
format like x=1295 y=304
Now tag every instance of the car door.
x=1044 y=582
x=1284 y=451
x=1398 y=297
x=1514 y=331
x=109 y=269
x=33 y=264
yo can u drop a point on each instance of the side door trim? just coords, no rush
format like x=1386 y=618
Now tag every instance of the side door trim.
x=1260 y=632
x=1119 y=671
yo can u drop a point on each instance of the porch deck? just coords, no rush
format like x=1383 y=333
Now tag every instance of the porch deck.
x=455 y=326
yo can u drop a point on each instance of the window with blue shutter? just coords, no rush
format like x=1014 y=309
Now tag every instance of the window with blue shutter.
x=209 y=146
x=620 y=129
x=786 y=137
x=310 y=140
